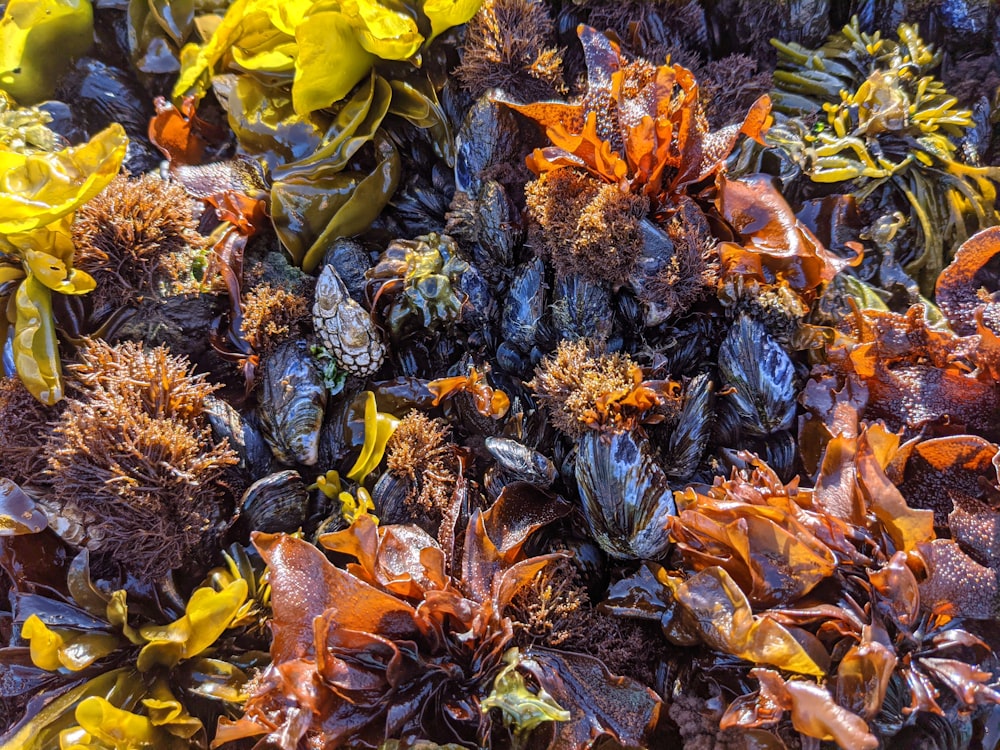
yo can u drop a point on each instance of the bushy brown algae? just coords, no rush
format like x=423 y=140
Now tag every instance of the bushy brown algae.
x=129 y=238
x=508 y=45
x=586 y=227
x=132 y=463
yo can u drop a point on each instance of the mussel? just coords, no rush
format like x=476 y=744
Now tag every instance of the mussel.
x=761 y=376
x=581 y=309
x=488 y=137
x=687 y=442
x=626 y=496
x=516 y=462
x=293 y=399
x=524 y=306
x=277 y=503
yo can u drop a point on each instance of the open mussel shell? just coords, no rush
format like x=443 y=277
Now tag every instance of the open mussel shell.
x=626 y=496
x=761 y=376
x=292 y=402
x=278 y=502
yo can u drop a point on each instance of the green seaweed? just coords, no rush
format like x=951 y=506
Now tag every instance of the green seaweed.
x=889 y=134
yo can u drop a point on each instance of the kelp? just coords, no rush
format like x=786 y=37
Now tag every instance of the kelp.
x=860 y=626
x=121 y=673
x=38 y=195
x=406 y=641
x=160 y=29
x=38 y=38
x=305 y=105
x=890 y=136
x=638 y=125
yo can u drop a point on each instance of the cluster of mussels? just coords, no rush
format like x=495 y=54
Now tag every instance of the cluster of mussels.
x=500 y=374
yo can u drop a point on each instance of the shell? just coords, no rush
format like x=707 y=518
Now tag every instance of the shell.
x=488 y=136
x=242 y=434
x=352 y=261
x=293 y=399
x=501 y=230
x=626 y=496
x=345 y=328
x=278 y=502
x=581 y=309
x=516 y=462
x=761 y=375
x=524 y=306
x=520 y=463
x=389 y=497
x=687 y=442
x=657 y=253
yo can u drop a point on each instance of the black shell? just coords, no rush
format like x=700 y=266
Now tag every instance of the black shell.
x=626 y=496
x=687 y=442
x=243 y=435
x=524 y=306
x=488 y=136
x=292 y=402
x=581 y=309
x=516 y=462
x=278 y=502
x=761 y=375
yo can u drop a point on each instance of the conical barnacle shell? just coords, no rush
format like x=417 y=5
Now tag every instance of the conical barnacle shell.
x=345 y=328
x=278 y=502
x=761 y=376
x=293 y=399
x=626 y=497
x=687 y=442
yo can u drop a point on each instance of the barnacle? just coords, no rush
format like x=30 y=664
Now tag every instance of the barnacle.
x=421 y=278
x=585 y=226
x=582 y=390
x=890 y=134
x=123 y=234
x=508 y=46
x=135 y=474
